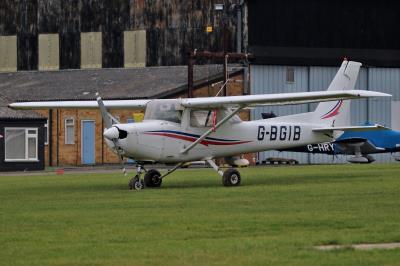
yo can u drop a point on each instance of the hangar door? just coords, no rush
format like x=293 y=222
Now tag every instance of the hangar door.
x=88 y=142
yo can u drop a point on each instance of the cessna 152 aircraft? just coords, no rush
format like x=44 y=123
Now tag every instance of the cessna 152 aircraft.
x=201 y=129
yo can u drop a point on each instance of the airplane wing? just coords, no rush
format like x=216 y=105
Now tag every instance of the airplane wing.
x=278 y=99
x=348 y=146
x=111 y=104
x=350 y=128
x=213 y=102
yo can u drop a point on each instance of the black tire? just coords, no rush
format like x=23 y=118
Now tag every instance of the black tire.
x=152 y=178
x=231 y=178
x=136 y=184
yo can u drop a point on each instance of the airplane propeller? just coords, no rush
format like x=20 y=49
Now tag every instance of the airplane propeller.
x=112 y=133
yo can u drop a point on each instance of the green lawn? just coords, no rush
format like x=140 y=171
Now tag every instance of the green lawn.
x=275 y=217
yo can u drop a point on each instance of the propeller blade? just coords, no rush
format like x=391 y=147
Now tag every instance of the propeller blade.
x=108 y=119
x=111 y=133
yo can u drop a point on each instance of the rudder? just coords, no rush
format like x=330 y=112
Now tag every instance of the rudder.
x=337 y=113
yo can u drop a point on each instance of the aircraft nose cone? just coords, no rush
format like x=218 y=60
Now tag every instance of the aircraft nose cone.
x=111 y=133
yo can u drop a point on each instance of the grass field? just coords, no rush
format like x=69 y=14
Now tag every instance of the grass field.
x=275 y=218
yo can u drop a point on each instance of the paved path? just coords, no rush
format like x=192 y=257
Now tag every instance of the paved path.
x=360 y=246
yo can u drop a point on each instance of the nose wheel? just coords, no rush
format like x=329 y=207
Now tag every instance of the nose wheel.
x=136 y=184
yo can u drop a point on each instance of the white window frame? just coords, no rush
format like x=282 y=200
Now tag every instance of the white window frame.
x=65 y=130
x=46 y=127
x=27 y=136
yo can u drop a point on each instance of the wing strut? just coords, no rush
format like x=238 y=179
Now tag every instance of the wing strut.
x=211 y=130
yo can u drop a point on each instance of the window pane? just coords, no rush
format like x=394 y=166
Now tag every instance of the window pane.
x=168 y=110
x=15 y=143
x=201 y=118
x=32 y=148
x=69 y=138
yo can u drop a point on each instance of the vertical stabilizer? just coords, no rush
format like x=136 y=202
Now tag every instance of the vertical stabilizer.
x=337 y=113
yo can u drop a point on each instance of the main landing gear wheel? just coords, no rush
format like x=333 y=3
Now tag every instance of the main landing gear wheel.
x=231 y=178
x=152 y=178
x=136 y=183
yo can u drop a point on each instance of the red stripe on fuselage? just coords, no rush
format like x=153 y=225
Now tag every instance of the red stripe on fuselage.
x=192 y=139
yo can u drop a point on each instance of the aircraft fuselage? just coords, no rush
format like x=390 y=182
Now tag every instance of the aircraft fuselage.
x=167 y=142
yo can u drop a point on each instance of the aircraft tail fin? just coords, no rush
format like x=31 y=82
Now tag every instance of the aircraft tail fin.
x=337 y=113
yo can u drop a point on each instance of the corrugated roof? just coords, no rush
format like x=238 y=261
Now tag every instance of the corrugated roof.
x=137 y=83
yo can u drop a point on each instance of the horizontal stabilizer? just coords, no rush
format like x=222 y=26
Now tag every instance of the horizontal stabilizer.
x=350 y=128
x=366 y=146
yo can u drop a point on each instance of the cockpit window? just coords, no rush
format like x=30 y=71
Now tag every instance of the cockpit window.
x=201 y=118
x=168 y=110
x=205 y=118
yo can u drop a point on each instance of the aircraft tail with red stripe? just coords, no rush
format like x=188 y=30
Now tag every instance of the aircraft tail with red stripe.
x=337 y=113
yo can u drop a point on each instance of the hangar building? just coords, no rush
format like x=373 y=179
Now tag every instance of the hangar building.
x=299 y=45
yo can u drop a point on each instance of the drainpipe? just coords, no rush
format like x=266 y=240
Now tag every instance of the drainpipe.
x=239 y=22
x=50 y=136
x=191 y=62
x=368 y=100
x=58 y=139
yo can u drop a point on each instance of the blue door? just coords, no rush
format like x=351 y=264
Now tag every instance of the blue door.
x=88 y=142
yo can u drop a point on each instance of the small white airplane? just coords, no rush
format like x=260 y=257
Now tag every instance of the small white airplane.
x=178 y=131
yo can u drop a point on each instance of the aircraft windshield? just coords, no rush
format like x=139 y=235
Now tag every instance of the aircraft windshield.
x=168 y=110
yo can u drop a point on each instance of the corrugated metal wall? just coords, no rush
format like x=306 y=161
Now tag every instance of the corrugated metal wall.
x=272 y=79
